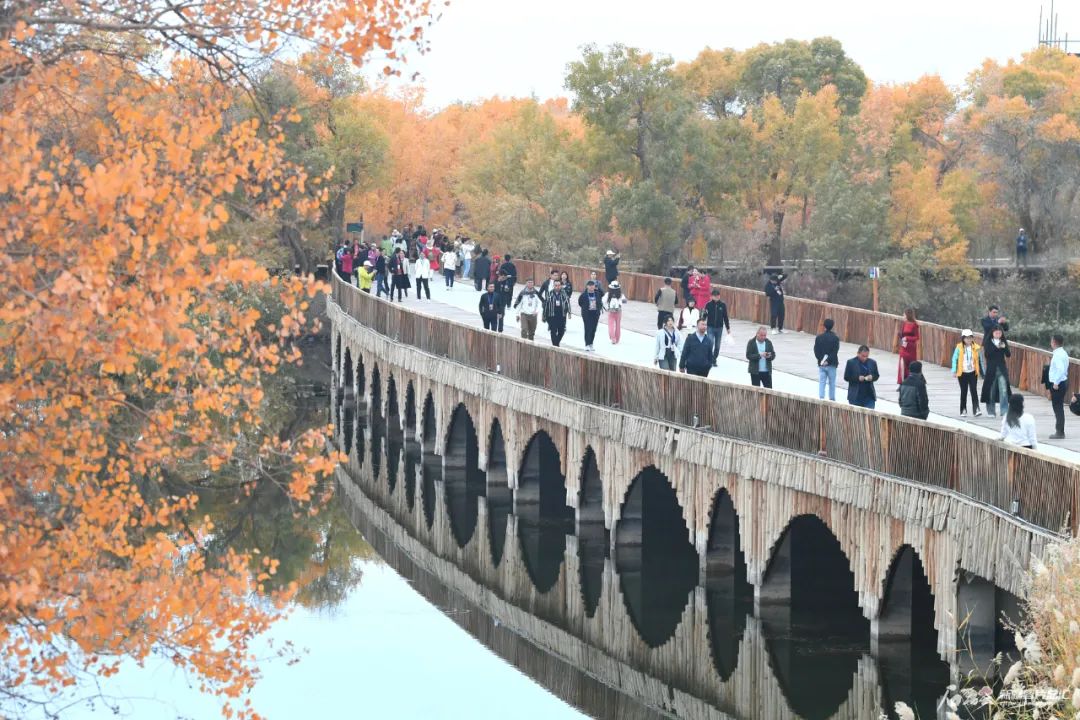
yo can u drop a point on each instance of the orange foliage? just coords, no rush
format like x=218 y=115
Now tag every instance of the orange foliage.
x=134 y=346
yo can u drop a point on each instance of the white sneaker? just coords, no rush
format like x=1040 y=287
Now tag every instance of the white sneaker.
x=963 y=413
x=978 y=413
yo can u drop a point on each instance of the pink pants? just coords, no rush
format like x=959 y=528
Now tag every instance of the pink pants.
x=614 y=326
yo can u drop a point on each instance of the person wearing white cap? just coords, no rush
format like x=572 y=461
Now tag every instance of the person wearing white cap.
x=613 y=304
x=967 y=366
x=611 y=266
x=366 y=276
x=1021 y=247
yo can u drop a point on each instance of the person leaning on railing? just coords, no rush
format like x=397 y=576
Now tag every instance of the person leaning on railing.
x=1018 y=427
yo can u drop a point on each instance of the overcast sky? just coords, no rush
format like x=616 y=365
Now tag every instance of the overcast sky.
x=511 y=48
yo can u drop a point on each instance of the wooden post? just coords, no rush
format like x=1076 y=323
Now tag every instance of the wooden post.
x=874 y=283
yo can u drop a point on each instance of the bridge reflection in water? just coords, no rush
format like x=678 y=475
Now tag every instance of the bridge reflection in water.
x=630 y=626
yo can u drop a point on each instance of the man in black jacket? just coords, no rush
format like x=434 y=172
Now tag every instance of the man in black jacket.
x=760 y=354
x=716 y=321
x=556 y=311
x=860 y=374
x=492 y=308
x=509 y=269
x=611 y=266
x=481 y=269
x=994 y=319
x=591 y=306
x=775 y=292
x=826 y=348
x=697 y=353
x=914 y=401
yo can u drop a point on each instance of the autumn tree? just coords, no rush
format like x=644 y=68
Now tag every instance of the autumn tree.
x=134 y=352
x=1025 y=119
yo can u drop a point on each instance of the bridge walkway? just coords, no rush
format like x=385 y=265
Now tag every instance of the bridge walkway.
x=795 y=370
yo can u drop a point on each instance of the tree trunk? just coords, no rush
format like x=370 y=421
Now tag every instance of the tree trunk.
x=335 y=216
x=639 y=150
x=290 y=236
x=776 y=242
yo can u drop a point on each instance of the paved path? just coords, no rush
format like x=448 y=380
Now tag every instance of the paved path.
x=794 y=371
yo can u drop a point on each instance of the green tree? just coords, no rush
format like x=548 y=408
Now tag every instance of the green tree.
x=848 y=224
x=787 y=70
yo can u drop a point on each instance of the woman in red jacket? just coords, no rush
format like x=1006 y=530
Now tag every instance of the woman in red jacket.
x=909 y=345
x=699 y=288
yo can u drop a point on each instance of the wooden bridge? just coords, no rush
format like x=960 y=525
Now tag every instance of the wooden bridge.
x=618 y=446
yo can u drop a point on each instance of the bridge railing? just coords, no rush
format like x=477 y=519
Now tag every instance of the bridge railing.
x=1046 y=489
x=854 y=325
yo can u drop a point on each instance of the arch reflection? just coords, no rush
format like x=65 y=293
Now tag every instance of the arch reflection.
x=543 y=517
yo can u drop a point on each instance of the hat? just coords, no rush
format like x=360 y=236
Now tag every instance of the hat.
x=610 y=252
x=367 y=263
x=615 y=285
x=591 y=282
x=966 y=333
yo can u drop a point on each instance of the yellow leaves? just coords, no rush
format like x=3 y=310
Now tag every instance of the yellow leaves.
x=1059 y=128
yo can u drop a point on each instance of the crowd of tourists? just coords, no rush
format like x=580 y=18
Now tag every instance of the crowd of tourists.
x=690 y=333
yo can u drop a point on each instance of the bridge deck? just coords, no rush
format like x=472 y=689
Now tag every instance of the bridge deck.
x=795 y=370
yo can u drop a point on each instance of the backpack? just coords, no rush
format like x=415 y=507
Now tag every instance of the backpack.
x=1074 y=406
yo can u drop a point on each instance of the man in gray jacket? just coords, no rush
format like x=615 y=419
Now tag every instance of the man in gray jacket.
x=665 y=300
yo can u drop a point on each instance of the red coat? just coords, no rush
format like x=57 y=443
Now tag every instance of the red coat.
x=700 y=287
x=909 y=349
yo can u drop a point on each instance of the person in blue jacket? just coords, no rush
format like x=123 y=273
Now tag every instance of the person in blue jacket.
x=860 y=374
x=697 y=352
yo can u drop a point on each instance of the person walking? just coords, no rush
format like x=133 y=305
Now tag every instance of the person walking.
x=827 y=351
x=509 y=269
x=1058 y=381
x=665 y=300
x=775 y=292
x=613 y=306
x=993 y=319
x=467 y=249
x=669 y=344
x=449 y=267
x=591 y=303
x=1018 y=427
x=382 y=269
x=716 y=321
x=860 y=373
x=611 y=266
x=967 y=366
x=995 y=387
x=548 y=285
x=596 y=279
x=908 y=339
x=481 y=270
x=423 y=276
x=689 y=316
x=1021 y=248
x=528 y=306
x=505 y=287
x=687 y=277
x=696 y=356
x=365 y=276
x=760 y=354
x=492 y=309
x=567 y=286
x=914 y=400
x=399 y=269
x=556 y=312
x=347 y=257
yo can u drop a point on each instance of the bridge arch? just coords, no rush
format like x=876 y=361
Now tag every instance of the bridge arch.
x=590 y=507
x=500 y=499
x=428 y=427
x=338 y=365
x=656 y=563
x=375 y=396
x=393 y=413
x=410 y=411
x=463 y=482
x=361 y=379
x=542 y=513
x=808 y=591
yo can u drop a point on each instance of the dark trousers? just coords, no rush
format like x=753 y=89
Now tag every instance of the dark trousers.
x=479 y=283
x=425 y=285
x=448 y=275
x=1021 y=257
x=591 y=320
x=380 y=285
x=776 y=316
x=557 y=328
x=1057 y=400
x=699 y=371
x=492 y=322
x=761 y=379
x=661 y=318
x=968 y=383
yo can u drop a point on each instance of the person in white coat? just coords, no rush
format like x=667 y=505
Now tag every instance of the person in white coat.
x=669 y=343
x=422 y=269
x=449 y=266
x=528 y=305
x=689 y=316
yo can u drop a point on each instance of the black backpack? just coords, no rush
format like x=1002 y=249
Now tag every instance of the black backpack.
x=1075 y=404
